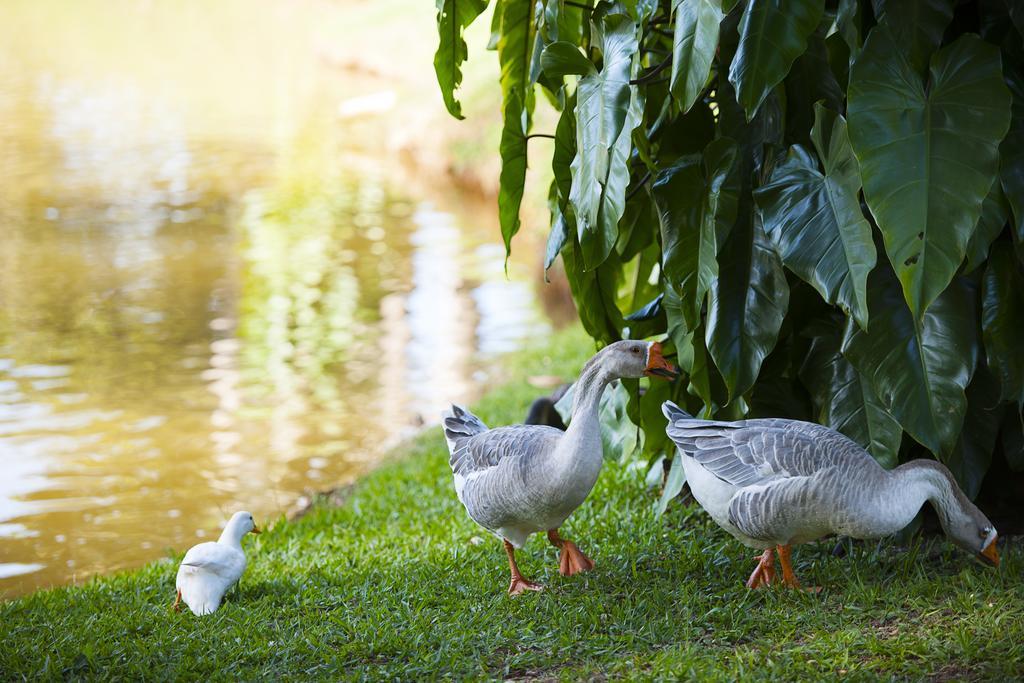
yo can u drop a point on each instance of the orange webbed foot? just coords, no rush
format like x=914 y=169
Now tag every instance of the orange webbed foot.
x=572 y=560
x=519 y=584
x=764 y=573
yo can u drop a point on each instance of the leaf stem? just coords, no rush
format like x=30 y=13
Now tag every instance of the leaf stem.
x=540 y=135
x=646 y=78
x=581 y=5
x=639 y=186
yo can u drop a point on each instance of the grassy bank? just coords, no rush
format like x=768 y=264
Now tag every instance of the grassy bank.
x=396 y=582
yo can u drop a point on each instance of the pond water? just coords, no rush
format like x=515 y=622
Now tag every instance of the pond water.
x=210 y=305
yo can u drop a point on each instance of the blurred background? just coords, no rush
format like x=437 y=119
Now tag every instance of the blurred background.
x=243 y=252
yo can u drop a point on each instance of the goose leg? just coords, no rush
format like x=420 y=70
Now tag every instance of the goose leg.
x=764 y=572
x=788 y=577
x=177 y=603
x=519 y=584
x=571 y=559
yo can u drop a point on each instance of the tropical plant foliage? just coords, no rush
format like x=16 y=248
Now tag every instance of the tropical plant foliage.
x=819 y=203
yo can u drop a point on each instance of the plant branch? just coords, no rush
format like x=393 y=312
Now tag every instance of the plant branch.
x=540 y=135
x=639 y=186
x=646 y=78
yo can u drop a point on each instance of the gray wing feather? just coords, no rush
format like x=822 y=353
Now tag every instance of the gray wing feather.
x=786 y=510
x=756 y=452
x=487 y=449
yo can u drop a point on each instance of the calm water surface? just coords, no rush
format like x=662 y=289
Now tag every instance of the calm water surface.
x=199 y=315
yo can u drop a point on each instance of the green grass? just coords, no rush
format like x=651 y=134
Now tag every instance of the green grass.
x=397 y=583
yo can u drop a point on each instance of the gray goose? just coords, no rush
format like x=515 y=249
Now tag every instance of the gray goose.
x=774 y=483
x=518 y=480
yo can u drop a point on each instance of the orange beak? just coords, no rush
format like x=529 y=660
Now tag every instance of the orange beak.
x=990 y=554
x=256 y=529
x=657 y=365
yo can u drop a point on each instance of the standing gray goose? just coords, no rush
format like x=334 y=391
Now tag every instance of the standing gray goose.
x=775 y=483
x=518 y=480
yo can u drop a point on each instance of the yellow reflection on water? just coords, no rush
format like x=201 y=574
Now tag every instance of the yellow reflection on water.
x=212 y=294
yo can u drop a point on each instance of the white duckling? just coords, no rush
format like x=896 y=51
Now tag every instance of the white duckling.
x=209 y=569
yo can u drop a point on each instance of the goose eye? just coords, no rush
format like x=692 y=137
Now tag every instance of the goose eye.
x=636 y=349
x=984 y=532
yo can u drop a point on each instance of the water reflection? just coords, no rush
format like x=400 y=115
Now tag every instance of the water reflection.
x=190 y=324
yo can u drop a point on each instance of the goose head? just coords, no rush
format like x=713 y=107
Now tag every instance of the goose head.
x=970 y=529
x=634 y=359
x=240 y=524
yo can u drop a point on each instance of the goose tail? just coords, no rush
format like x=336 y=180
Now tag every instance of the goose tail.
x=460 y=424
x=674 y=412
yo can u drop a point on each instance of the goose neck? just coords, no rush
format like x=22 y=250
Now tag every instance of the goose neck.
x=926 y=480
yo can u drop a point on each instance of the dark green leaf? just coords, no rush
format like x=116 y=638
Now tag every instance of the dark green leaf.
x=556 y=240
x=1003 y=321
x=848 y=20
x=972 y=455
x=928 y=155
x=917 y=26
x=748 y=301
x=919 y=370
x=554 y=23
x=810 y=80
x=594 y=294
x=1012 y=437
x=651 y=309
x=814 y=219
x=772 y=36
x=453 y=16
x=844 y=400
x=565 y=151
x=607 y=110
x=697 y=203
x=694 y=45
x=514 y=50
x=1011 y=161
x=673 y=484
x=562 y=59
x=994 y=213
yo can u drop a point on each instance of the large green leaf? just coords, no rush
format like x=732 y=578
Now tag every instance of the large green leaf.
x=811 y=80
x=972 y=455
x=748 y=301
x=514 y=53
x=814 y=218
x=928 y=152
x=557 y=238
x=697 y=201
x=694 y=43
x=772 y=35
x=673 y=484
x=917 y=26
x=845 y=402
x=1011 y=158
x=1003 y=320
x=594 y=293
x=994 y=212
x=554 y=23
x=607 y=110
x=453 y=16
x=918 y=368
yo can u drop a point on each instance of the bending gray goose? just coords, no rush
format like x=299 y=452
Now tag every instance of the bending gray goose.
x=774 y=483
x=518 y=480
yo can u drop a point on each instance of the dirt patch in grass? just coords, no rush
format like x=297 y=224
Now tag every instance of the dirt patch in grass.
x=953 y=672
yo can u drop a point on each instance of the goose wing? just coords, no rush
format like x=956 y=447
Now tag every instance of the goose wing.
x=489 y=449
x=758 y=452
